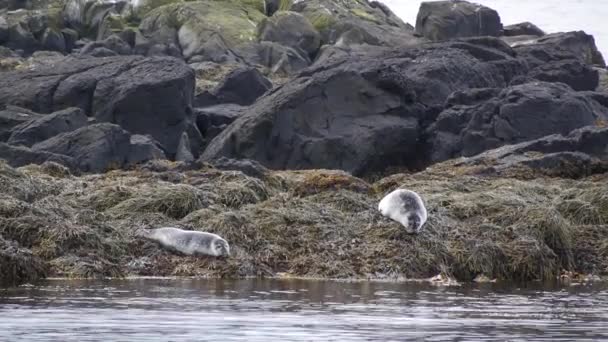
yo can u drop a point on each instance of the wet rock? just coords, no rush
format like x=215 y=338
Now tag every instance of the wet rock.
x=442 y=20
x=519 y=113
x=48 y=126
x=290 y=29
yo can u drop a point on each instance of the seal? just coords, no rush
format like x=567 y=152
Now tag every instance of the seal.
x=405 y=207
x=189 y=242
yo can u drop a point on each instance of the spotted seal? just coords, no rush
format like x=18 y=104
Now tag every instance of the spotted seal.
x=189 y=242
x=405 y=207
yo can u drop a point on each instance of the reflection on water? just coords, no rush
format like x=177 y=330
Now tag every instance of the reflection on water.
x=298 y=310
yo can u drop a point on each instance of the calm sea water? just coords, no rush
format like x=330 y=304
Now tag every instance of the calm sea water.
x=298 y=310
x=590 y=16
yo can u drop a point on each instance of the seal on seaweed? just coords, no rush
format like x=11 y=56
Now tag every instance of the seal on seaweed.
x=189 y=242
x=405 y=207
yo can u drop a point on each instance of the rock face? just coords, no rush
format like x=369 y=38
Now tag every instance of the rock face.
x=95 y=148
x=212 y=120
x=142 y=95
x=359 y=115
x=442 y=20
x=48 y=126
x=519 y=113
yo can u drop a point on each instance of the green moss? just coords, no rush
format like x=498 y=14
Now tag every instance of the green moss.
x=321 y=21
x=361 y=13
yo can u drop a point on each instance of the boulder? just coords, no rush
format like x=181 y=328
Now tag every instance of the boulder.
x=290 y=29
x=17 y=156
x=53 y=40
x=578 y=154
x=279 y=59
x=208 y=28
x=113 y=43
x=443 y=20
x=144 y=148
x=572 y=72
x=359 y=113
x=89 y=16
x=519 y=113
x=143 y=95
x=214 y=119
x=560 y=46
x=95 y=148
x=369 y=22
x=242 y=86
x=522 y=29
x=48 y=126
x=249 y=167
x=12 y=117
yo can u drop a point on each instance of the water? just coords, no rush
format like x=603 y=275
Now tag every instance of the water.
x=550 y=15
x=298 y=310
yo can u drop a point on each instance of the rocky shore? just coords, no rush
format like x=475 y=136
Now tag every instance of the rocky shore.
x=280 y=124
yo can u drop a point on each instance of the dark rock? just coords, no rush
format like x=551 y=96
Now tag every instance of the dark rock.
x=12 y=117
x=249 y=167
x=4 y=30
x=572 y=72
x=443 y=20
x=95 y=148
x=17 y=156
x=290 y=29
x=560 y=46
x=358 y=113
x=520 y=113
x=48 y=126
x=522 y=29
x=53 y=40
x=278 y=58
x=212 y=120
x=241 y=86
x=69 y=37
x=144 y=148
x=578 y=154
x=143 y=95
x=112 y=43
